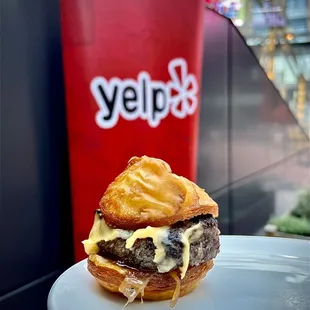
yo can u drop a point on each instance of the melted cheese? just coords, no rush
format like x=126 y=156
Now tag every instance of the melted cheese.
x=158 y=235
x=190 y=235
x=177 y=290
x=101 y=231
x=166 y=265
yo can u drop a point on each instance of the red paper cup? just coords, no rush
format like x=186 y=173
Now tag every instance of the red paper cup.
x=132 y=77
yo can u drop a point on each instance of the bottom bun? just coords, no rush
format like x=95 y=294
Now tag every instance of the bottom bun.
x=157 y=286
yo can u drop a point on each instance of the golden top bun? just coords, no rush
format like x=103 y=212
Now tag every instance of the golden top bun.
x=147 y=193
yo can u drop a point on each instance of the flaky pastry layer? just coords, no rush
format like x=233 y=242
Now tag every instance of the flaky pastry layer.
x=161 y=285
x=147 y=193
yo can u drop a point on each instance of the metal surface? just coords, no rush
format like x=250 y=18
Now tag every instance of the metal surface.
x=213 y=148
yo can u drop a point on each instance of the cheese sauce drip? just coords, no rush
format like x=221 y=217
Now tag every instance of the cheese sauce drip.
x=101 y=231
x=158 y=235
x=190 y=235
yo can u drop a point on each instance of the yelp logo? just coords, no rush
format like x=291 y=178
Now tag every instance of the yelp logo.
x=145 y=98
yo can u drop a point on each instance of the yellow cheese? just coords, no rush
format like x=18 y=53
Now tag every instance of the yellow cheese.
x=191 y=234
x=103 y=262
x=166 y=265
x=101 y=231
x=158 y=234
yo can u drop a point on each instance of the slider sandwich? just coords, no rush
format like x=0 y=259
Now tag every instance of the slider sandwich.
x=155 y=234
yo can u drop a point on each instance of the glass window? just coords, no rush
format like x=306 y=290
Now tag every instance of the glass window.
x=296 y=4
x=298 y=25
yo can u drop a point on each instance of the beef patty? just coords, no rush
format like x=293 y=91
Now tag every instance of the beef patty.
x=141 y=255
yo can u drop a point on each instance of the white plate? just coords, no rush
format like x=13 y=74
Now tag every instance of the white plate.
x=250 y=273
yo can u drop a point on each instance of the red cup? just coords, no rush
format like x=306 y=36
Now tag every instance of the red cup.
x=132 y=77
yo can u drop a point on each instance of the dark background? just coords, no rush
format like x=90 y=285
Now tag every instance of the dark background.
x=240 y=162
x=35 y=228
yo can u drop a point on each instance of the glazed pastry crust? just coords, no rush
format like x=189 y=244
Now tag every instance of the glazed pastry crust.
x=161 y=285
x=147 y=193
